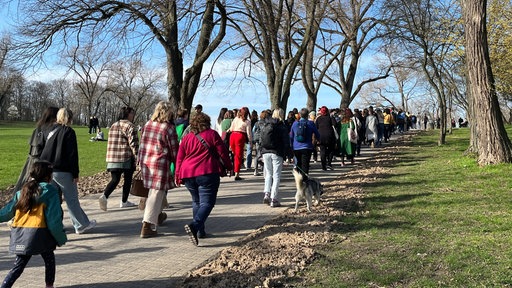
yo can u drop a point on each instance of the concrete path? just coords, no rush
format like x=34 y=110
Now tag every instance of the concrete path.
x=113 y=254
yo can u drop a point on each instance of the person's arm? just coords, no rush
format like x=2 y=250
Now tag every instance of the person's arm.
x=53 y=215
x=248 y=130
x=133 y=139
x=8 y=211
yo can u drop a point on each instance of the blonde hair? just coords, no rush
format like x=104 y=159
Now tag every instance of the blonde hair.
x=64 y=116
x=278 y=114
x=163 y=112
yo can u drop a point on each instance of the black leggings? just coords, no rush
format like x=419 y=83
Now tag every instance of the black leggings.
x=116 y=177
x=21 y=262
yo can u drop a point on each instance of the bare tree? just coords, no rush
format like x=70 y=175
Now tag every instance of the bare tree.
x=356 y=26
x=493 y=144
x=90 y=66
x=133 y=25
x=266 y=28
x=5 y=76
x=61 y=89
x=134 y=85
x=423 y=28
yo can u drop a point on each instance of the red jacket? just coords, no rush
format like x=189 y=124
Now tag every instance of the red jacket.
x=194 y=159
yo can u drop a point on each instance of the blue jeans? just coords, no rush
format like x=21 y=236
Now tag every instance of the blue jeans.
x=273 y=164
x=203 y=190
x=64 y=182
x=248 y=163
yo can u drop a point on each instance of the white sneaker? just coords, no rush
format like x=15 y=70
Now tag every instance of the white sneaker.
x=91 y=225
x=126 y=204
x=103 y=202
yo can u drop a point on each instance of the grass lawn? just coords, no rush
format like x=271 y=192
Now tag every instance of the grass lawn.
x=435 y=220
x=14 y=150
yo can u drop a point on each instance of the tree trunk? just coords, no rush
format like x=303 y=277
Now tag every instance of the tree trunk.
x=494 y=146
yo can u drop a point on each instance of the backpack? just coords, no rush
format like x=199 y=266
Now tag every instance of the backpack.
x=256 y=134
x=302 y=127
x=268 y=135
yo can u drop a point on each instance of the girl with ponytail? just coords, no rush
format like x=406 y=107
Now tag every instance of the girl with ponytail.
x=37 y=227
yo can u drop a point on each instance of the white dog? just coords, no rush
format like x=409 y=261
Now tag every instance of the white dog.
x=309 y=189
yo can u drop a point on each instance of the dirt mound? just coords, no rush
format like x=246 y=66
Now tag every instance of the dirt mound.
x=275 y=253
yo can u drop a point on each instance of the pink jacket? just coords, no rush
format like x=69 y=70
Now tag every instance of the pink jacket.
x=194 y=159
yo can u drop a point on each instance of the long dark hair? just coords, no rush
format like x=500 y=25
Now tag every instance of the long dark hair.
x=222 y=112
x=41 y=171
x=49 y=116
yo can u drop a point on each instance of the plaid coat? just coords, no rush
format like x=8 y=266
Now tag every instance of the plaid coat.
x=158 y=149
x=123 y=142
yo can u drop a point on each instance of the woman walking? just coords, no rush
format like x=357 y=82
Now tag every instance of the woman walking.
x=241 y=133
x=158 y=149
x=202 y=160
x=325 y=124
x=346 y=146
x=61 y=150
x=275 y=144
x=122 y=147
x=37 y=142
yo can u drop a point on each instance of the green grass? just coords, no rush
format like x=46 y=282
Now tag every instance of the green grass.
x=435 y=220
x=14 y=150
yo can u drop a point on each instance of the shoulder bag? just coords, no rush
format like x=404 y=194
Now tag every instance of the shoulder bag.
x=214 y=155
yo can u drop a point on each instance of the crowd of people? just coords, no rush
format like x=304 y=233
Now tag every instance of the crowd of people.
x=175 y=148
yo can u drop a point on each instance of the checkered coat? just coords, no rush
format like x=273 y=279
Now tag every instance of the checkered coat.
x=158 y=149
x=123 y=142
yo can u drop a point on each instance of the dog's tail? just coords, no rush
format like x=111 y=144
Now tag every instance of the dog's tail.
x=298 y=178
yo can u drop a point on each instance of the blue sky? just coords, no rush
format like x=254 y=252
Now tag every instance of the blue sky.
x=224 y=92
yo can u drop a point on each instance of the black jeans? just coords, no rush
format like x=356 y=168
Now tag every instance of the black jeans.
x=21 y=262
x=303 y=157
x=116 y=177
x=326 y=154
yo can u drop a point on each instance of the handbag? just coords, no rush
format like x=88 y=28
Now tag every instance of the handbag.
x=352 y=135
x=138 y=188
x=215 y=155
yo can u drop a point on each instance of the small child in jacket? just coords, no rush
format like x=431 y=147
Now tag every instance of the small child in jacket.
x=37 y=226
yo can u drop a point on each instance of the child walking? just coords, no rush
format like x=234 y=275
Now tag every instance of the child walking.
x=37 y=227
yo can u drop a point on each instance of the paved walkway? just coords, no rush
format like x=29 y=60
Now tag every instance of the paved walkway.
x=113 y=254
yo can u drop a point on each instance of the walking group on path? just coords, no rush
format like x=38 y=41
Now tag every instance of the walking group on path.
x=170 y=153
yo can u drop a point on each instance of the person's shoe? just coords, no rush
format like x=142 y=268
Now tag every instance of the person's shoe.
x=126 y=204
x=329 y=167
x=256 y=173
x=161 y=218
x=142 y=203
x=192 y=234
x=147 y=230
x=91 y=225
x=275 y=203
x=238 y=178
x=103 y=202
x=266 y=199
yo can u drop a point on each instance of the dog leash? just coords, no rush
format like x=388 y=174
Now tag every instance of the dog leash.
x=298 y=168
